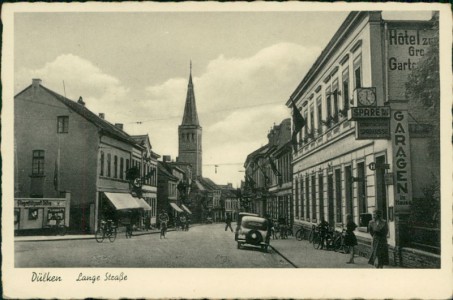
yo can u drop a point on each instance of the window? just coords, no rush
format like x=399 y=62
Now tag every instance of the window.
x=313 y=198
x=312 y=121
x=335 y=100
x=329 y=105
x=62 y=124
x=348 y=191
x=38 y=162
x=319 y=111
x=338 y=196
x=305 y=127
x=121 y=168
x=361 y=196
x=127 y=164
x=321 y=195
x=307 y=196
x=109 y=161
x=302 y=202
x=358 y=72
x=102 y=164
x=346 y=90
x=115 y=166
x=296 y=190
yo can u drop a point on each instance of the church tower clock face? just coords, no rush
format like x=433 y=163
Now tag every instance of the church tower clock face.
x=190 y=133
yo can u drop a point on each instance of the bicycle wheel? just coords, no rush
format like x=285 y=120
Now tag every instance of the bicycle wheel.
x=300 y=234
x=337 y=245
x=316 y=241
x=99 y=235
x=310 y=236
x=112 y=235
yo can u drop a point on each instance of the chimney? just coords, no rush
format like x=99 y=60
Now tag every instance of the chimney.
x=80 y=101
x=166 y=158
x=119 y=126
x=102 y=116
x=36 y=82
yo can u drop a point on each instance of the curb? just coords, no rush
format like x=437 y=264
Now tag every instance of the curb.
x=284 y=257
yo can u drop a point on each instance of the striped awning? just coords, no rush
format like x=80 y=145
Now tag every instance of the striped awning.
x=186 y=209
x=175 y=207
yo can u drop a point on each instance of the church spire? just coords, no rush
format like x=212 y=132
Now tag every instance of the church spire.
x=190 y=110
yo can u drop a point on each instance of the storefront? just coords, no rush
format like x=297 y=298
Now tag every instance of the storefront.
x=41 y=213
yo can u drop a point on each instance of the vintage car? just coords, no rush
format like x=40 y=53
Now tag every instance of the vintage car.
x=253 y=231
x=239 y=219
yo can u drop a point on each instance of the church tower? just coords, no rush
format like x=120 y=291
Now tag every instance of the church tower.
x=189 y=133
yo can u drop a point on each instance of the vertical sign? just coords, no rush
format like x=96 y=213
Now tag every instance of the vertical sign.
x=401 y=160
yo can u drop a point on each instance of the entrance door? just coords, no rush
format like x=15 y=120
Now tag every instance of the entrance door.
x=381 y=195
x=330 y=211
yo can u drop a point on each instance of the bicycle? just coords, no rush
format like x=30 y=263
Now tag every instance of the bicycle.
x=106 y=229
x=338 y=243
x=320 y=240
x=311 y=235
x=163 y=229
x=300 y=233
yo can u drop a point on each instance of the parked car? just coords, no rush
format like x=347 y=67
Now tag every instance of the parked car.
x=238 y=224
x=253 y=231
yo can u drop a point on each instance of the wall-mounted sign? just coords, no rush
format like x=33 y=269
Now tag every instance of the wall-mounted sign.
x=401 y=160
x=378 y=112
x=373 y=166
x=373 y=129
x=39 y=203
x=388 y=178
x=406 y=46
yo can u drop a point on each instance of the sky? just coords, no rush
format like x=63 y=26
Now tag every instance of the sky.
x=134 y=67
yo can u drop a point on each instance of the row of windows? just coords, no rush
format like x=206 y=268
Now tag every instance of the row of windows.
x=336 y=100
x=121 y=165
x=189 y=137
x=309 y=194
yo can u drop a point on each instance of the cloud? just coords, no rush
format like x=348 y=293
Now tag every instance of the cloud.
x=238 y=99
x=81 y=78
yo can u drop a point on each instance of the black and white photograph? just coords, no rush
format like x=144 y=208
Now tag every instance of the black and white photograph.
x=226 y=150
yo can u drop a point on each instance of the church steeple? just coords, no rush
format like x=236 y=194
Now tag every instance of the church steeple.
x=190 y=134
x=190 y=110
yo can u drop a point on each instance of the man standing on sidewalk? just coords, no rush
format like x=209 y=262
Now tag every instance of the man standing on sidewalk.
x=228 y=223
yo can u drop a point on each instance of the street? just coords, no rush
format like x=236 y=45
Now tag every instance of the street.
x=204 y=246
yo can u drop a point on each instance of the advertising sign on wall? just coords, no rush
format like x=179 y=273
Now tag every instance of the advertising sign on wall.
x=401 y=160
x=405 y=48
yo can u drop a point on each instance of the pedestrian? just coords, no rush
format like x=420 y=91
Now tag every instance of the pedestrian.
x=182 y=221
x=228 y=223
x=378 y=229
x=270 y=228
x=350 y=239
x=163 y=218
x=323 y=229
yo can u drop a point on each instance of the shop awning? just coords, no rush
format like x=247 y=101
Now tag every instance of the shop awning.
x=122 y=201
x=175 y=207
x=186 y=209
x=143 y=204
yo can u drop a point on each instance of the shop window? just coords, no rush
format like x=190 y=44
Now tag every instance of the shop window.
x=62 y=124
x=102 y=164
x=109 y=163
x=348 y=191
x=302 y=203
x=330 y=199
x=38 y=163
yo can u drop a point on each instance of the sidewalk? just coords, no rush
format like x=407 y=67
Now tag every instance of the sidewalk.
x=302 y=254
x=42 y=238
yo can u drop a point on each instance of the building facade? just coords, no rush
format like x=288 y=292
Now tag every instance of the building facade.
x=356 y=152
x=51 y=160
